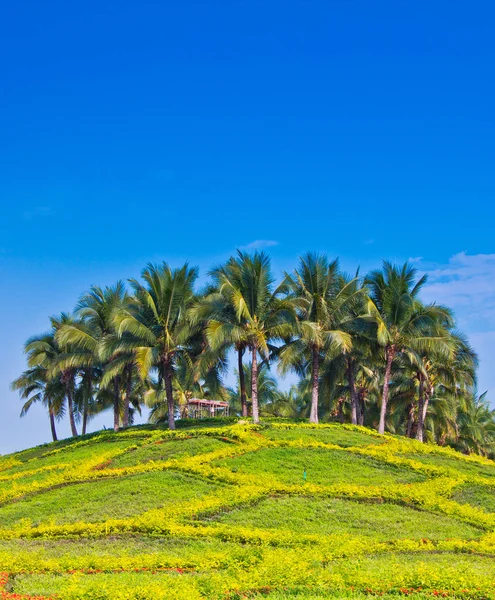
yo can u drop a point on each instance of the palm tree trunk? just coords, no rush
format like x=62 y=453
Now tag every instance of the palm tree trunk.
x=361 y=396
x=127 y=399
x=85 y=420
x=390 y=354
x=410 y=421
x=428 y=393
x=254 y=385
x=70 y=404
x=419 y=430
x=315 y=384
x=52 y=425
x=353 y=392
x=116 y=404
x=86 y=398
x=169 y=391
x=242 y=382
x=423 y=401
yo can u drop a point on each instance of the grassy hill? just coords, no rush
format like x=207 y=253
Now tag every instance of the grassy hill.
x=224 y=511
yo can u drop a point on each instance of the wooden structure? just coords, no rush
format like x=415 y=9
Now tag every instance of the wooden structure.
x=204 y=409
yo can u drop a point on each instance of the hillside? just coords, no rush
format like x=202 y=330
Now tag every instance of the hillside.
x=225 y=512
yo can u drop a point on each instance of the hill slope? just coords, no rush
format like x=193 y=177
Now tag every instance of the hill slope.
x=226 y=512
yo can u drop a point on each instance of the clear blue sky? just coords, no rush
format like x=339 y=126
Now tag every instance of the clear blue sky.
x=137 y=131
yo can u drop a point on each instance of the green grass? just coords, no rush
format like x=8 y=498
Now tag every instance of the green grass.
x=323 y=467
x=167 y=450
x=107 y=499
x=476 y=495
x=244 y=539
x=329 y=435
x=124 y=545
x=327 y=516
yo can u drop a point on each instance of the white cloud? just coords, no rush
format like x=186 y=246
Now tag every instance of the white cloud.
x=467 y=285
x=259 y=244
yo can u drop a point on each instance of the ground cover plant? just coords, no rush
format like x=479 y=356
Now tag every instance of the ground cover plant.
x=279 y=510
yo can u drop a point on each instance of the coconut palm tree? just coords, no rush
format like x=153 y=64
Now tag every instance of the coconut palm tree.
x=402 y=321
x=214 y=308
x=267 y=389
x=34 y=386
x=154 y=324
x=323 y=298
x=476 y=427
x=289 y=405
x=44 y=351
x=263 y=313
x=450 y=376
x=90 y=342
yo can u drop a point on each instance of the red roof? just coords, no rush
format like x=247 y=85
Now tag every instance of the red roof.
x=207 y=402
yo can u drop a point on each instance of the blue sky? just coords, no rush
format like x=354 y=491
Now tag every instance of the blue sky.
x=138 y=131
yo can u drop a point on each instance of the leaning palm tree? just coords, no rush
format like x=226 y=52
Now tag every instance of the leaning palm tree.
x=402 y=321
x=263 y=313
x=450 y=376
x=155 y=324
x=322 y=297
x=44 y=351
x=34 y=387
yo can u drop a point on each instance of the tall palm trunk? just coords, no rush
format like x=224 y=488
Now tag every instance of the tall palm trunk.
x=169 y=391
x=315 y=384
x=116 y=404
x=390 y=354
x=86 y=398
x=127 y=399
x=254 y=385
x=85 y=420
x=419 y=430
x=242 y=382
x=70 y=403
x=352 y=390
x=361 y=397
x=423 y=401
x=52 y=425
x=340 y=410
x=428 y=393
x=410 y=420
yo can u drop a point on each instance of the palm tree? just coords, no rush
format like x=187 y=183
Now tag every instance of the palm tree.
x=88 y=338
x=215 y=308
x=476 y=427
x=322 y=297
x=449 y=375
x=267 y=388
x=288 y=405
x=34 y=386
x=402 y=321
x=44 y=351
x=263 y=313
x=187 y=384
x=155 y=324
